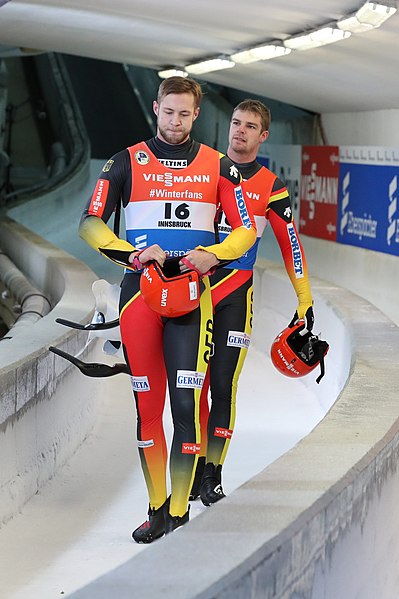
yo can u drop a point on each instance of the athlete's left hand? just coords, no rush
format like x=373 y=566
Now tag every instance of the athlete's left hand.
x=201 y=260
x=305 y=314
x=152 y=252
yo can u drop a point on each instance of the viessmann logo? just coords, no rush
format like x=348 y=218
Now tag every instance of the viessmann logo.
x=98 y=197
x=170 y=179
x=225 y=433
x=190 y=448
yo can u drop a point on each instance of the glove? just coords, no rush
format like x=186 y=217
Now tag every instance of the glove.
x=308 y=317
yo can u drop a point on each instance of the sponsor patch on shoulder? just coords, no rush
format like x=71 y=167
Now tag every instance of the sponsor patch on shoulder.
x=141 y=157
x=99 y=197
x=107 y=166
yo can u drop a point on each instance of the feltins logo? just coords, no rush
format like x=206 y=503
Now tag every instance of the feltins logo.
x=173 y=163
x=141 y=157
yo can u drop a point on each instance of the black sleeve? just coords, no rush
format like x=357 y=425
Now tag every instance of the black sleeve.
x=114 y=185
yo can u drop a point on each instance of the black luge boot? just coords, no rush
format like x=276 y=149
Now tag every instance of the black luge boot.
x=173 y=522
x=195 y=489
x=154 y=527
x=211 y=489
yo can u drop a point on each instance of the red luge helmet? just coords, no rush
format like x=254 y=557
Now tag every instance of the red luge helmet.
x=295 y=352
x=169 y=292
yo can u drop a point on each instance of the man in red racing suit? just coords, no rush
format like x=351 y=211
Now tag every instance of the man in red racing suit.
x=170 y=188
x=232 y=293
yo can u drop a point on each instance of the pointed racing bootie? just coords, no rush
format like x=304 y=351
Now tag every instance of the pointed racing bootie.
x=154 y=527
x=173 y=522
x=211 y=489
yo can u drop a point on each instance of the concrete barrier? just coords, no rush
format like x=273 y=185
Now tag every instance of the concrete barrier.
x=46 y=409
x=311 y=525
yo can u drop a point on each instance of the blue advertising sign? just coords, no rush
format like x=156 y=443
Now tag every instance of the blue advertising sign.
x=264 y=160
x=368 y=207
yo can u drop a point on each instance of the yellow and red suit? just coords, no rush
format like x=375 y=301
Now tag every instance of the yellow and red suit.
x=176 y=209
x=232 y=296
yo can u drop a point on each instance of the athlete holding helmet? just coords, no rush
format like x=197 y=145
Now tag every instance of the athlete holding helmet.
x=170 y=187
x=232 y=287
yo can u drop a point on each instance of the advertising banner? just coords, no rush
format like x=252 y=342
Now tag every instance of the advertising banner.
x=319 y=191
x=368 y=209
x=263 y=160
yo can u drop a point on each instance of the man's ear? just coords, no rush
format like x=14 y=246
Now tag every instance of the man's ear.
x=155 y=107
x=264 y=136
x=196 y=112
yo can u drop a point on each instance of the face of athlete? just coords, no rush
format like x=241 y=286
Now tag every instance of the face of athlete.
x=176 y=114
x=245 y=136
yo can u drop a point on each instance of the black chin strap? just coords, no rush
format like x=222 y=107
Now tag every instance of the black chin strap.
x=321 y=349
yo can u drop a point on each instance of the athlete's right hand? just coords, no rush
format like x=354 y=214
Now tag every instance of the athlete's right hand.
x=153 y=252
x=307 y=317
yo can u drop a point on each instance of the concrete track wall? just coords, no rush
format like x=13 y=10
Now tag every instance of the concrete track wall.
x=318 y=523
x=314 y=523
x=46 y=410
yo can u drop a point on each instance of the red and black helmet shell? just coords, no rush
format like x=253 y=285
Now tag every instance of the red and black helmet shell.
x=294 y=354
x=169 y=292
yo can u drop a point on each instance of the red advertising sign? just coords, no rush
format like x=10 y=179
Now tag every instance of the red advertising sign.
x=319 y=191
